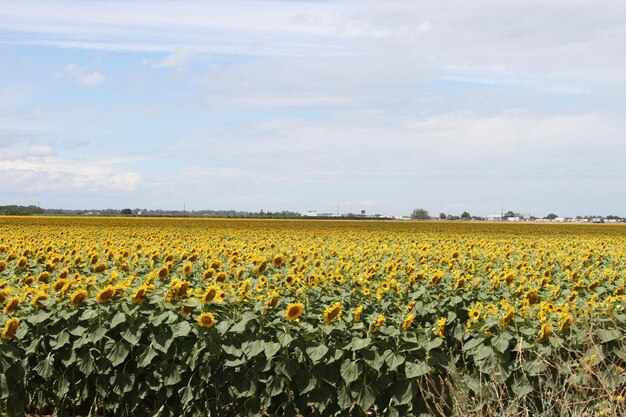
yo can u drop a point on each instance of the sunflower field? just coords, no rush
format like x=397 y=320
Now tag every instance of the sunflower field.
x=201 y=317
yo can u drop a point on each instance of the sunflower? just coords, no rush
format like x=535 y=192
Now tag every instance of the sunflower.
x=188 y=268
x=531 y=297
x=332 y=313
x=273 y=300
x=567 y=321
x=3 y=265
x=220 y=277
x=294 y=310
x=38 y=299
x=441 y=327
x=206 y=320
x=59 y=284
x=379 y=322
x=408 y=321
x=507 y=317
x=139 y=295
x=78 y=297
x=105 y=294
x=474 y=314
x=545 y=332
x=210 y=294
x=10 y=328
x=357 y=314
x=44 y=277
x=208 y=273
x=11 y=305
x=279 y=260
x=163 y=272
x=22 y=263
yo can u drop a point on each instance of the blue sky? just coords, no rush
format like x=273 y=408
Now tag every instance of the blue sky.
x=305 y=105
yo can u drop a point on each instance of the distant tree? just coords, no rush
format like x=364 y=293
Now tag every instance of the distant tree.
x=442 y=216
x=420 y=214
x=551 y=216
x=509 y=214
x=466 y=216
x=126 y=211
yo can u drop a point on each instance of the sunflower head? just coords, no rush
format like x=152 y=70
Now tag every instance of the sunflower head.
x=11 y=305
x=10 y=328
x=78 y=297
x=379 y=322
x=545 y=332
x=206 y=320
x=441 y=327
x=294 y=310
x=357 y=314
x=406 y=324
x=210 y=294
x=105 y=294
x=139 y=295
x=37 y=299
x=333 y=312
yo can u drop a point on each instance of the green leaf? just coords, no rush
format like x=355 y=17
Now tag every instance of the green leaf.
x=123 y=383
x=521 y=388
x=118 y=318
x=350 y=371
x=405 y=391
x=358 y=344
x=393 y=359
x=472 y=343
x=62 y=339
x=274 y=386
x=316 y=352
x=146 y=359
x=118 y=353
x=171 y=376
x=88 y=315
x=271 y=349
x=245 y=318
x=186 y=394
x=252 y=348
x=609 y=335
x=45 y=369
x=130 y=336
x=85 y=363
x=364 y=396
x=181 y=329
x=501 y=342
x=415 y=370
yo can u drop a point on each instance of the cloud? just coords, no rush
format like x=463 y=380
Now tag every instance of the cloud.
x=82 y=76
x=177 y=59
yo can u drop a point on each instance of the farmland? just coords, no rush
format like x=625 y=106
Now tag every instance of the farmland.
x=133 y=316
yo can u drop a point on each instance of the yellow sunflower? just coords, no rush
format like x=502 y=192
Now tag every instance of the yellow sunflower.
x=333 y=312
x=10 y=328
x=11 y=305
x=206 y=320
x=105 y=294
x=441 y=327
x=294 y=310
x=78 y=297
x=545 y=332
x=379 y=322
x=139 y=295
x=408 y=321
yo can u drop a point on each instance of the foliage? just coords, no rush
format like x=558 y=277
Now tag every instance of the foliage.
x=250 y=318
x=420 y=214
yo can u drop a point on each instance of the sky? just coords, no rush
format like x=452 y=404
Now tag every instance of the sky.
x=382 y=106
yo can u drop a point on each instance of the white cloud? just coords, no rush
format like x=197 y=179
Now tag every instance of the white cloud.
x=82 y=76
x=178 y=59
